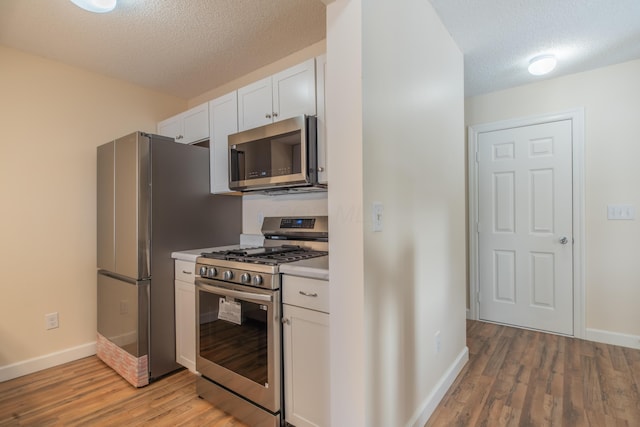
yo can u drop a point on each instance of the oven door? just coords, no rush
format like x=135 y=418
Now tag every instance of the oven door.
x=238 y=340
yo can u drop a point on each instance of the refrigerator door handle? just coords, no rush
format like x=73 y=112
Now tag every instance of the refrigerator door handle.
x=119 y=277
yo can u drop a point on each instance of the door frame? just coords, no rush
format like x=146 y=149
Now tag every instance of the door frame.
x=576 y=116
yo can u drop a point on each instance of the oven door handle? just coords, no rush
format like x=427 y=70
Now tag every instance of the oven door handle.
x=234 y=294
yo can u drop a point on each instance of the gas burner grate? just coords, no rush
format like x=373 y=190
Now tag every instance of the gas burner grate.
x=273 y=255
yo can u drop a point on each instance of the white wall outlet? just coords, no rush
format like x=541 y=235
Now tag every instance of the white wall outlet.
x=377 y=212
x=624 y=212
x=51 y=320
x=437 y=342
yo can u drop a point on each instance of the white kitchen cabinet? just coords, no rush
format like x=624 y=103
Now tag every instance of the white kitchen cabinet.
x=287 y=94
x=187 y=127
x=171 y=127
x=306 y=351
x=223 y=120
x=323 y=171
x=185 y=309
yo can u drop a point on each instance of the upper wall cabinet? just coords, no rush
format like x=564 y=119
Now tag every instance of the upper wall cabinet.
x=188 y=127
x=287 y=94
x=223 y=118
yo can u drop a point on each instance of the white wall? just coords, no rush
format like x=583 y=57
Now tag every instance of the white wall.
x=402 y=144
x=53 y=117
x=346 y=272
x=611 y=99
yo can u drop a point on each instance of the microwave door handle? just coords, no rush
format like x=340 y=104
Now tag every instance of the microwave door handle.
x=236 y=294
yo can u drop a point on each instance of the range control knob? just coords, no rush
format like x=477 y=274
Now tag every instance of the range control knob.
x=212 y=272
x=257 y=280
x=227 y=275
x=203 y=271
x=245 y=278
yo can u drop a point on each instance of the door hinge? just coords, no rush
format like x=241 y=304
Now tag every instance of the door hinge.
x=478 y=296
x=477 y=157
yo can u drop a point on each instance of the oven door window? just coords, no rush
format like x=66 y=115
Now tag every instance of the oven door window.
x=234 y=334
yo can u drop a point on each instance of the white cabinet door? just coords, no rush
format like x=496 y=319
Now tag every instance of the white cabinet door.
x=187 y=127
x=287 y=94
x=306 y=366
x=255 y=104
x=196 y=124
x=185 y=325
x=294 y=91
x=323 y=171
x=223 y=117
x=185 y=309
x=171 y=127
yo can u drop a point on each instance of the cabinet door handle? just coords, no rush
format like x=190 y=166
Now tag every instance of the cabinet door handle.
x=186 y=272
x=179 y=137
x=307 y=294
x=320 y=169
x=275 y=114
x=285 y=321
x=267 y=116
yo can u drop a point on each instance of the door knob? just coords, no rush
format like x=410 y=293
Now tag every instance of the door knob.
x=564 y=240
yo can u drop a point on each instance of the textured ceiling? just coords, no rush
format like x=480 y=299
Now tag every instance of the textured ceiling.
x=187 y=47
x=499 y=37
x=180 y=47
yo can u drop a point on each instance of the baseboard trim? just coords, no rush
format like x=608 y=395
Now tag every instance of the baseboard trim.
x=36 y=364
x=614 y=338
x=431 y=402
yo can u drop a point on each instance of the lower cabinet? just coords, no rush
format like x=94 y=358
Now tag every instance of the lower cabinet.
x=306 y=351
x=185 y=306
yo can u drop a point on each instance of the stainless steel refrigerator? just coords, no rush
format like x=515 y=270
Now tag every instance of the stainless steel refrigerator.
x=153 y=199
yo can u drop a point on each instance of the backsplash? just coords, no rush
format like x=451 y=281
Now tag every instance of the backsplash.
x=257 y=206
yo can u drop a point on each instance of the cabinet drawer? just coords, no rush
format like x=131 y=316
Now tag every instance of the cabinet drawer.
x=304 y=292
x=185 y=271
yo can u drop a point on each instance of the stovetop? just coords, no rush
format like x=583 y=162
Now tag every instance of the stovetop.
x=274 y=255
x=286 y=239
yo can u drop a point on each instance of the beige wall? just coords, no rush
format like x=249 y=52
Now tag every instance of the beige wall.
x=611 y=100
x=400 y=120
x=53 y=116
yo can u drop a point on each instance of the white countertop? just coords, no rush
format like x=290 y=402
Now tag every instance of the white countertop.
x=313 y=268
x=192 y=254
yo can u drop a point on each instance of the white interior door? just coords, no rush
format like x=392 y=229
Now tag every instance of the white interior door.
x=525 y=261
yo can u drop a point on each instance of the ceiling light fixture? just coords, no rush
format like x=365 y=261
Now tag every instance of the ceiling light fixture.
x=97 y=6
x=542 y=64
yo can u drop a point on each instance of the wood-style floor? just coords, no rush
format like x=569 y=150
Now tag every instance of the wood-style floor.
x=523 y=378
x=88 y=393
x=514 y=378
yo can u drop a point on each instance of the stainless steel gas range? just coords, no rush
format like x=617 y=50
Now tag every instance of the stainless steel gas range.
x=238 y=329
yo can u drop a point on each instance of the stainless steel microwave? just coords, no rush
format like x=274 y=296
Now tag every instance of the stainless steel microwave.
x=279 y=155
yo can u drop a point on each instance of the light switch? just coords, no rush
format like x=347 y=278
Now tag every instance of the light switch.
x=625 y=212
x=377 y=212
